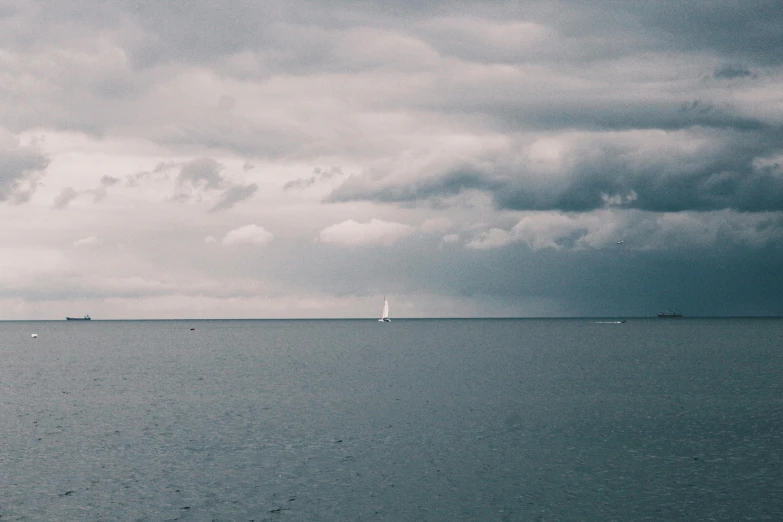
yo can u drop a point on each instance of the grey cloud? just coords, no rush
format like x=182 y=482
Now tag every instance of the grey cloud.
x=200 y=174
x=108 y=181
x=733 y=29
x=113 y=67
x=23 y=192
x=449 y=183
x=161 y=171
x=234 y=195
x=17 y=166
x=101 y=192
x=727 y=180
x=62 y=200
x=724 y=173
x=204 y=172
x=611 y=109
x=299 y=37
x=731 y=71
x=738 y=30
x=319 y=175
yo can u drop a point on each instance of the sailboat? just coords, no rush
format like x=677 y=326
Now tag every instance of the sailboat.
x=385 y=315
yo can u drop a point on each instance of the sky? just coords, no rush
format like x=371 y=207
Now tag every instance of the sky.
x=302 y=159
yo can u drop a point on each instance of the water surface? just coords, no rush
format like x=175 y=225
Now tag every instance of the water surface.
x=413 y=420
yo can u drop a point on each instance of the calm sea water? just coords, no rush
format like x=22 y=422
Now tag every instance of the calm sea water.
x=413 y=420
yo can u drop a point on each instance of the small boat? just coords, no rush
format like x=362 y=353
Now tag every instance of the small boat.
x=85 y=318
x=670 y=313
x=385 y=314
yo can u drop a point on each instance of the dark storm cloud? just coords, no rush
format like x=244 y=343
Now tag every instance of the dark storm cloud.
x=748 y=31
x=723 y=172
x=726 y=178
x=291 y=36
x=698 y=280
x=234 y=195
x=617 y=114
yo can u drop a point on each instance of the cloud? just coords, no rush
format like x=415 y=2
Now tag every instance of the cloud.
x=450 y=238
x=105 y=183
x=643 y=231
x=521 y=141
x=376 y=231
x=492 y=238
x=543 y=230
x=436 y=224
x=234 y=195
x=67 y=195
x=201 y=172
x=160 y=172
x=198 y=174
x=86 y=241
x=248 y=235
x=728 y=29
x=109 y=181
x=18 y=165
x=731 y=71
x=656 y=170
x=205 y=175
x=318 y=176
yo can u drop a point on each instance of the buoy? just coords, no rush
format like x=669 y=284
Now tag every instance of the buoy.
x=34 y=336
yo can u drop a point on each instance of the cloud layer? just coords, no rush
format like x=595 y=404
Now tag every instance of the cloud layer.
x=489 y=159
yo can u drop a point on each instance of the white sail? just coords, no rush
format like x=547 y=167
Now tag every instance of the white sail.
x=385 y=315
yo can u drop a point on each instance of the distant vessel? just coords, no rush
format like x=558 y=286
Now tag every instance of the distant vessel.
x=85 y=318
x=385 y=315
x=670 y=313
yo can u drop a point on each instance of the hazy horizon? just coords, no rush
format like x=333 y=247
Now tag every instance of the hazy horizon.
x=422 y=318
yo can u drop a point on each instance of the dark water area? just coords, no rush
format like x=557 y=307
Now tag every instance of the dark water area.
x=414 y=420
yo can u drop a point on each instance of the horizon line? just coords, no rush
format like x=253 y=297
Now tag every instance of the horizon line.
x=404 y=318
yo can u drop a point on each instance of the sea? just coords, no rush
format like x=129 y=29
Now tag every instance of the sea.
x=416 y=420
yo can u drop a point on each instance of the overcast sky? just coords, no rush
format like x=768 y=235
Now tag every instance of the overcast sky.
x=295 y=158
